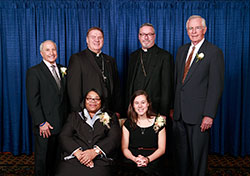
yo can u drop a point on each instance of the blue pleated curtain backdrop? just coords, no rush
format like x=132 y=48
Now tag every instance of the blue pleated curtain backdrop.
x=25 y=24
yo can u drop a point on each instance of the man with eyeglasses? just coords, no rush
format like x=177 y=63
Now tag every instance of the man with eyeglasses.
x=150 y=68
x=91 y=68
x=199 y=79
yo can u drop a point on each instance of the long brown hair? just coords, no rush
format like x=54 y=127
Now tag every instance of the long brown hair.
x=132 y=115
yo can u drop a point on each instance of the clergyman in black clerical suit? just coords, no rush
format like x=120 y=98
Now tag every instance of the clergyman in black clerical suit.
x=47 y=103
x=91 y=68
x=151 y=69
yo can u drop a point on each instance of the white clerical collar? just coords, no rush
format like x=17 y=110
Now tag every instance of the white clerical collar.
x=98 y=54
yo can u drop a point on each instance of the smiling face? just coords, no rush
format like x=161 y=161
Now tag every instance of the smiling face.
x=48 y=51
x=147 y=37
x=95 y=40
x=141 y=105
x=196 y=30
x=92 y=102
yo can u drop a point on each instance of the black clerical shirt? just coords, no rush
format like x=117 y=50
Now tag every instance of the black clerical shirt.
x=100 y=60
x=140 y=78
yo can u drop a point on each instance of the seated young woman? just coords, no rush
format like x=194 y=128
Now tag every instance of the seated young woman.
x=89 y=139
x=143 y=135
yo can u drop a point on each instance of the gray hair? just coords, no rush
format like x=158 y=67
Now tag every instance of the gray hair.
x=41 y=45
x=147 y=24
x=203 y=21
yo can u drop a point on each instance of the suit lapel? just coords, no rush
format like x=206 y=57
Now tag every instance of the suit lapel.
x=63 y=80
x=183 y=62
x=46 y=71
x=195 y=64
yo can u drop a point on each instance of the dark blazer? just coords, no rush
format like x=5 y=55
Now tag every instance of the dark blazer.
x=45 y=101
x=77 y=133
x=159 y=81
x=84 y=74
x=201 y=91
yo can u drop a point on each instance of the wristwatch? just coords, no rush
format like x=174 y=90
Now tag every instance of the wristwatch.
x=97 y=150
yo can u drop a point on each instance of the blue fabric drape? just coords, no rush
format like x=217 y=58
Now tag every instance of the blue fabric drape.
x=25 y=24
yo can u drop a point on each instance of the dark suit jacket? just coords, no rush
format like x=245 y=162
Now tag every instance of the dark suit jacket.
x=84 y=74
x=45 y=101
x=77 y=133
x=201 y=91
x=159 y=81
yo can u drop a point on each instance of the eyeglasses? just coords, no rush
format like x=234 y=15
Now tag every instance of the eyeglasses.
x=93 y=99
x=148 y=35
x=196 y=28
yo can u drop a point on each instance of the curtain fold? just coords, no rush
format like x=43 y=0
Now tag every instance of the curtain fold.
x=25 y=24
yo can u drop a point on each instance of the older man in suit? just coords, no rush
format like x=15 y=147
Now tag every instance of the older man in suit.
x=151 y=69
x=47 y=102
x=91 y=68
x=199 y=82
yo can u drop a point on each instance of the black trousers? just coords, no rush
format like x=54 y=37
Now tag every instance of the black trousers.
x=66 y=168
x=191 y=149
x=47 y=155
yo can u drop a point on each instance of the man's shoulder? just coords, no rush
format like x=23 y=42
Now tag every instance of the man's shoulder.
x=135 y=52
x=108 y=56
x=187 y=45
x=81 y=53
x=211 y=46
x=35 y=67
x=162 y=51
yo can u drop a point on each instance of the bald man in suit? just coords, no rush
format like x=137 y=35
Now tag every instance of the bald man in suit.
x=47 y=103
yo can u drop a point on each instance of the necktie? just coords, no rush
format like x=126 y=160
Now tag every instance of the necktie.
x=56 y=76
x=188 y=64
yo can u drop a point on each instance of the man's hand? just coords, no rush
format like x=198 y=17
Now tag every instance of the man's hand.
x=45 y=130
x=207 y=123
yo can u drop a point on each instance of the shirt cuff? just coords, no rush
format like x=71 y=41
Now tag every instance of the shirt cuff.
x=72 y=154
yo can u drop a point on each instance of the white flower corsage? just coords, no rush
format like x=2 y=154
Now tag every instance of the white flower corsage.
x=105 y=118
x=63 y=71
x=159 y=122
x=199 y=57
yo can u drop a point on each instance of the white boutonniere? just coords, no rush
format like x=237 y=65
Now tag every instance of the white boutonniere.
x=199 y=57
x=63 y=71
x=159 y=122
x=105 y=119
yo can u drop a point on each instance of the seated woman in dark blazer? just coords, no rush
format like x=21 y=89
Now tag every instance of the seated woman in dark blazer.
x=89 y=139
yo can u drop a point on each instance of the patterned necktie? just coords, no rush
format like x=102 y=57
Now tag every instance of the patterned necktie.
x=58 y=82
x=187 y=65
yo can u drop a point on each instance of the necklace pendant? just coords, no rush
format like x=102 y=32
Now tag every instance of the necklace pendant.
x=142 y=131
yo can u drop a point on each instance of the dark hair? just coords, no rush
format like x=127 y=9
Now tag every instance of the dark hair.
x=95 y=28
x=132 y=115
x=82 y=105
x=147 y=24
